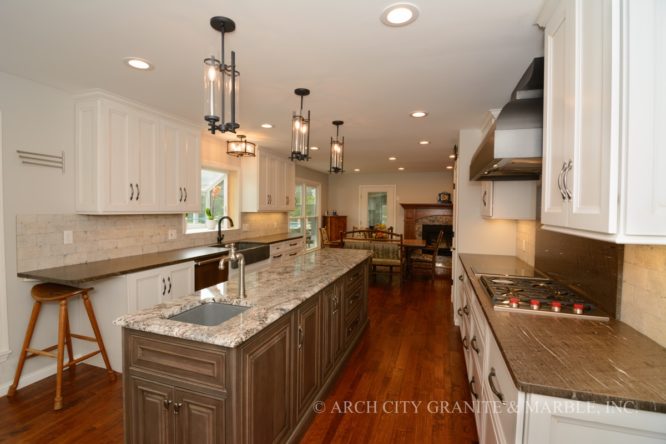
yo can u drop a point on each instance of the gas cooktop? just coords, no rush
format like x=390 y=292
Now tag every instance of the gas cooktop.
x=539 y=296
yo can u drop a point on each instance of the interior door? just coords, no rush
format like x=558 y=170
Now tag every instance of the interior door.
x=377 y=205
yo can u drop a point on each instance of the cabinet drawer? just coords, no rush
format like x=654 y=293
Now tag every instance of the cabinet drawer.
x=353 y=298
x=355 y=277
x=180 y=361
x=500 y=385
x=353 y=325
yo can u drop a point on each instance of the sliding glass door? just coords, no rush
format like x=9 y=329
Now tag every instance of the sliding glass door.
x=304 y=219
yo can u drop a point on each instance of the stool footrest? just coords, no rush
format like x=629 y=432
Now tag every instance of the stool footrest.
x=83 y=337
x=44 y=352
x=82 y=358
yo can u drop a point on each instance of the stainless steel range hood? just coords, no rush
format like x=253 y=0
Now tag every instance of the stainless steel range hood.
x=511 y=149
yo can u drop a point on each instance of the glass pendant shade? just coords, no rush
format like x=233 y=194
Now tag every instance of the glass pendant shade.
x=300 y=131
x=211 y=78
x=241 y=147
x=337 y=150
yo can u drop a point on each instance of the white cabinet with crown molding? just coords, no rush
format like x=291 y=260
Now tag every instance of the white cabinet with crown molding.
x=603 y=153
x=132 y=160
x=269 y=183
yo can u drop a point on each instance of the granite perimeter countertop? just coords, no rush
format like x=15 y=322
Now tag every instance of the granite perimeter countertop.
x=271 y=293
x=577 y=359
x=92 y=271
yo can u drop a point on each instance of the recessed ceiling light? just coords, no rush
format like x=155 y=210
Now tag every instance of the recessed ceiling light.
x=399 y=14
x=449 y=167
x=356 y=170
x=401 y=168
x=392 y=158
x=452 y=156
x=314 y=148
x=424 y=142
x=267 y=125
x=419 y=114
x=137 y=63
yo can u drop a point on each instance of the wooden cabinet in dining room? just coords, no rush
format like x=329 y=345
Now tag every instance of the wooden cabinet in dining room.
x=269 y=183
x=129 y=158
x=602 y=147
x=334 y=226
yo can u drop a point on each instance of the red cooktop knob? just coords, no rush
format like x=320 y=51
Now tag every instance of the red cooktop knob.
x=513 y=302
x=534 y=304
x=578 y=308
x=556 y=306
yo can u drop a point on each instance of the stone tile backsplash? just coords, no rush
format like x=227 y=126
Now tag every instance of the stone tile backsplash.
x=40 y=242
x=643 y=304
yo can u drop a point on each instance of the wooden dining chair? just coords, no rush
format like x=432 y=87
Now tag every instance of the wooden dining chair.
x=426 y=261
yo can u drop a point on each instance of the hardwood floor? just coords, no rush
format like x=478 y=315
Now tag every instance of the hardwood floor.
x=403 y=374
x=410 y=352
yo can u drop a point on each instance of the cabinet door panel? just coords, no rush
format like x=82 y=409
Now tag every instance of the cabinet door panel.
x=558 y=112
x=173 y=189
x=593 y=196
x=200 y=418
x=116 y=134
x=191 y=170
x=180 y=281
x=147 y=162
x=145 y=289
x=151 y=421
x=307 y=354
x=266 y=372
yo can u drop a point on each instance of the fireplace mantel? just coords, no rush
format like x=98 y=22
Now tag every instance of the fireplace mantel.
x=415 y=211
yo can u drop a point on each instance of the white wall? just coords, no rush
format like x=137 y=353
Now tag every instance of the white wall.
x=343 y=192
x=475 y=234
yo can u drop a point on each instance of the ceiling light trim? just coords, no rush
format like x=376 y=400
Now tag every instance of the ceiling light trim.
x=399 y=15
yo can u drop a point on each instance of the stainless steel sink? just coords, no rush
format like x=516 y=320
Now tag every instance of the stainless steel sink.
x=210 y=314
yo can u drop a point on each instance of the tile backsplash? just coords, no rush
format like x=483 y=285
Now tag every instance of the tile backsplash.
x=526 y=240
x=40 y=243
x=644 y=290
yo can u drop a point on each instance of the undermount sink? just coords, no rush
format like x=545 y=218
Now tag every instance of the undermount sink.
x=210 y=314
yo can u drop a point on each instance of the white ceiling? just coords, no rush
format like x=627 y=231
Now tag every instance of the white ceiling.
x=459 y=59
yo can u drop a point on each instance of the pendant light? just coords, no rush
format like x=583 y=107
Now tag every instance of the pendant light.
x=221 y=85
x=241 y=147
x=300 y=130
x=337 y=149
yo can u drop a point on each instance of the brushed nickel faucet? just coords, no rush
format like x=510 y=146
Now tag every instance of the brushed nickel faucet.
x=236 y=257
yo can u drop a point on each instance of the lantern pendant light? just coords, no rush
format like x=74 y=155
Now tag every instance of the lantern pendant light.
x=241 y=147
x=337 y=150
x=221 y=84
x=300 y=130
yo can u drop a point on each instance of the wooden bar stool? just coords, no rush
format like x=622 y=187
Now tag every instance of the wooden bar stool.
x=42 y=293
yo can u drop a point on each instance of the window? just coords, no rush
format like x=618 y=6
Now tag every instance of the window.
x=214 y=196
x=304 y=219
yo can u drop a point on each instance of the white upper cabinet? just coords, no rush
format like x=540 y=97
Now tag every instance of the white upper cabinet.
x=601 y=150
x=268 y=183
x=130 y=159
x=515 y=199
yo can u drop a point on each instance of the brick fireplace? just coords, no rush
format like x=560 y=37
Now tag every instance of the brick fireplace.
x=418 y=215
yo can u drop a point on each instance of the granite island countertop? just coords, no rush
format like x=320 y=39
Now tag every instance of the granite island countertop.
x=93 y=271
x=271 y=293
x=584 y=360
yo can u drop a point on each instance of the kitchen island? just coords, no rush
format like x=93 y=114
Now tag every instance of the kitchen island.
x=254 y=377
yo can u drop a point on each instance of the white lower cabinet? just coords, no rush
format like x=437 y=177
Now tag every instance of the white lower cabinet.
x=286 y=249
x=148 y=288
x=505 y=415
x=563 y=421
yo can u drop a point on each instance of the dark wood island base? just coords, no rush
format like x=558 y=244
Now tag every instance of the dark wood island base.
x=262 y=391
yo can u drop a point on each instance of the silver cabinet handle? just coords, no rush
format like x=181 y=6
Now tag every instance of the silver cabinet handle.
x=483 y=199
x=167 y=403
x=475 y=346
x=131 y=192
x=169 y=280
x=163 y=287
x=180 y=190
x=564 y=179
x=185 y=189
x=497 y=393
x=559 y=181
x=471 y=388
